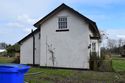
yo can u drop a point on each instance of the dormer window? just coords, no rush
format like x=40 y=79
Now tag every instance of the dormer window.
x=62 y=22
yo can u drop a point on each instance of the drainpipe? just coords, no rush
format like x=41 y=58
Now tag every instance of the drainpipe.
x=33 y=48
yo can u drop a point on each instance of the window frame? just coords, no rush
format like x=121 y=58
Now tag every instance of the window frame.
x=93 y=46
x=62 y=22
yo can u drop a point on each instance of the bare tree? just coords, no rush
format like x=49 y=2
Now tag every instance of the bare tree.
x=111 y=43
x=121 y=42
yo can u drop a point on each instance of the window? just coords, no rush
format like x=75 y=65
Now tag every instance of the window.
x=62 y=22
x=94 y=47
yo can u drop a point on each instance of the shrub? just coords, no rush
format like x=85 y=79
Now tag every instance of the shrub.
x=122 y=53
x=102 y=63
x=11 y=50
x=17 y=59
x=94 y=61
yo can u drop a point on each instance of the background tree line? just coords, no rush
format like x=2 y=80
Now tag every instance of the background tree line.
x=10 y=50
x=114 y=46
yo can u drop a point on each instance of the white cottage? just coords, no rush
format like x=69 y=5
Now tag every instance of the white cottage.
x=63 y=39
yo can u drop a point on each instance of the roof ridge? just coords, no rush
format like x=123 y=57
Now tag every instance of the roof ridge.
x=63 y=5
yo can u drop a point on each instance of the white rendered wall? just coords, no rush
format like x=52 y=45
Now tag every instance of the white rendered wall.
x=70 y=49
x=26 y=54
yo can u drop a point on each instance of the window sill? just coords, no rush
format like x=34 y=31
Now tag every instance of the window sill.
x=62 y=30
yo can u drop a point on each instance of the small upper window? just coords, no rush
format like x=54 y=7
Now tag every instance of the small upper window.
x=62 y=22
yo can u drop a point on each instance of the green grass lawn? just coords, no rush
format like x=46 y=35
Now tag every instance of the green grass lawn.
x=62 y=75
x=118 y=64
x=6 y=59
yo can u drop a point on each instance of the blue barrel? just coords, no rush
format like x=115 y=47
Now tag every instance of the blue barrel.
x=12 y=73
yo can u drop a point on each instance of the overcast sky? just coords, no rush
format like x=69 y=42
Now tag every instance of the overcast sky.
x=18 y=16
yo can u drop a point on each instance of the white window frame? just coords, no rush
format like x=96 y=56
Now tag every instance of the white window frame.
x=93 y=46
x=62 y=22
